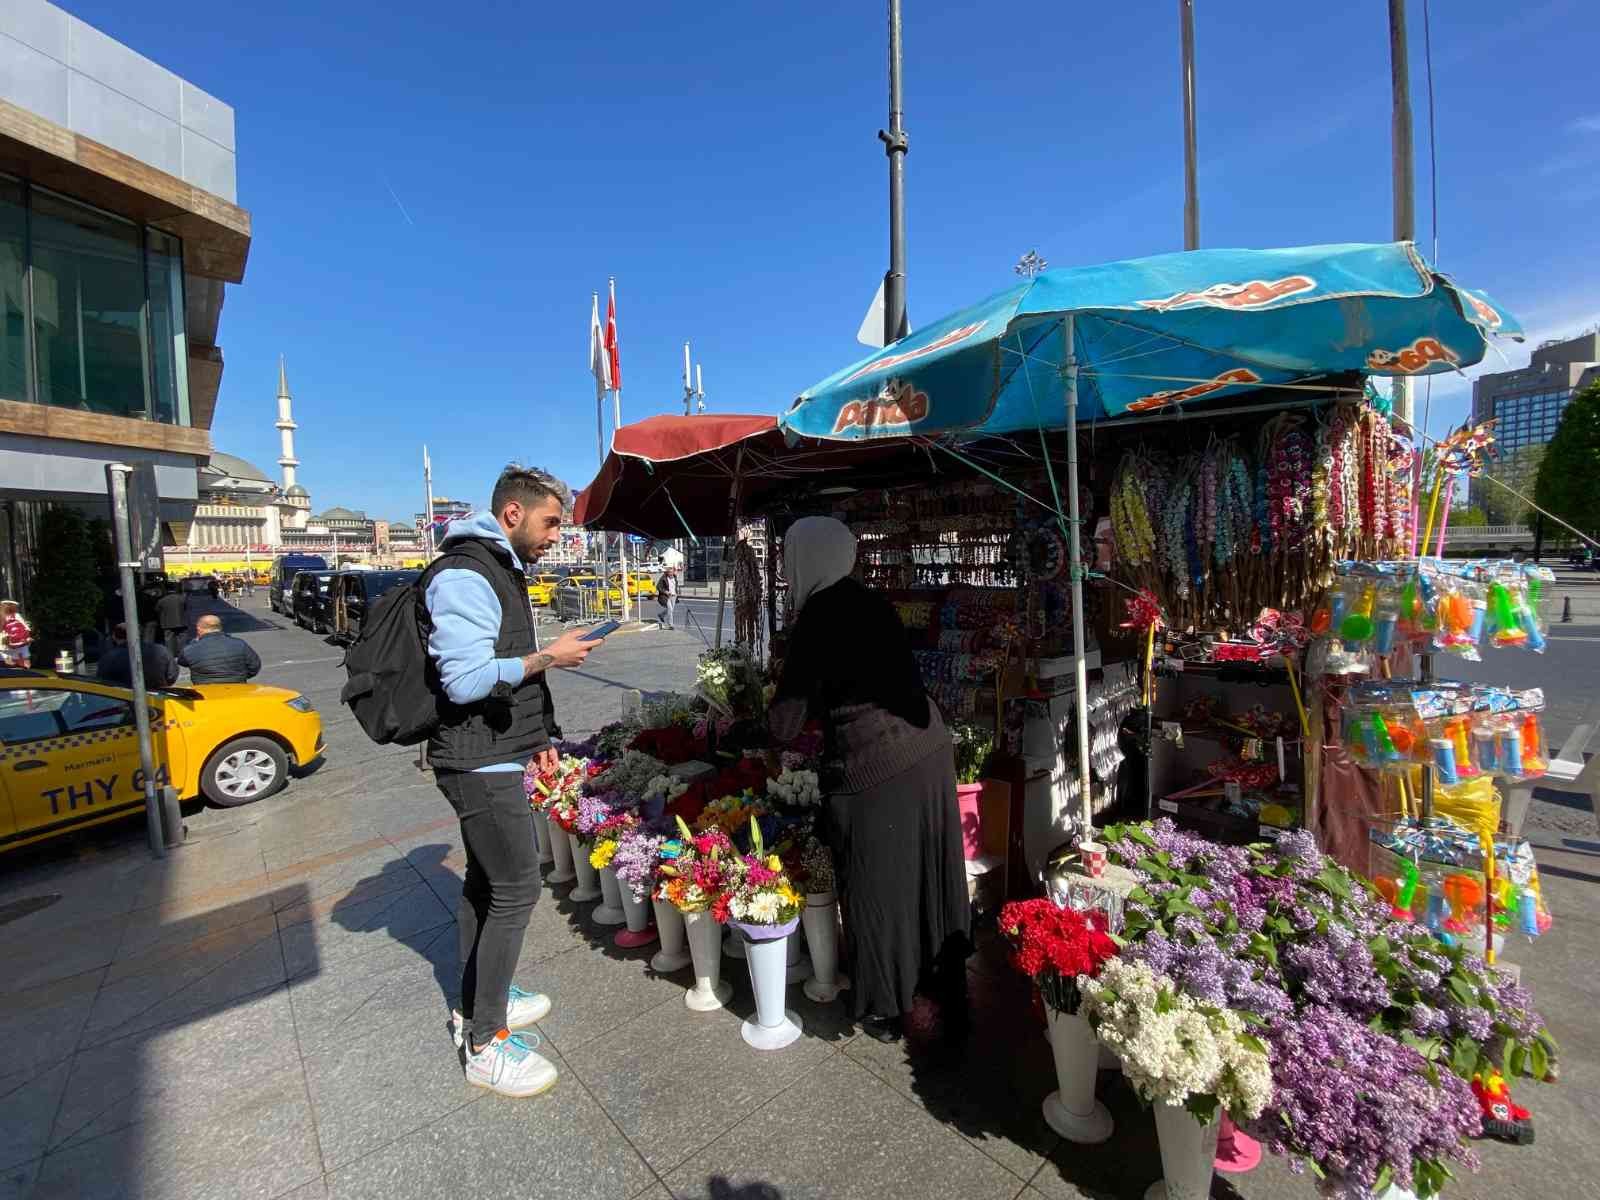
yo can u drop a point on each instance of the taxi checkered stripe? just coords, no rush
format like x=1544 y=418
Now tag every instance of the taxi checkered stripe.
x=87 y=738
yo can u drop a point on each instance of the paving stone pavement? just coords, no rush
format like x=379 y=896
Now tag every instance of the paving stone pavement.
x=262 y=1014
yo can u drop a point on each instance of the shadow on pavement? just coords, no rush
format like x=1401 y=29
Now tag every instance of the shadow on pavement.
x=353 y=911
x=719 y=1188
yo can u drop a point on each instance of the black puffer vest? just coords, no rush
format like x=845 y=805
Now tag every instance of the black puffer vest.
x=509 y=724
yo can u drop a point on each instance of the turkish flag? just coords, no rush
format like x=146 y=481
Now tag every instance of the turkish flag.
x=612 y=353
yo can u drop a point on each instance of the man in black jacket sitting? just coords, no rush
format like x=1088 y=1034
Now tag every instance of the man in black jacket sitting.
x=217 y=657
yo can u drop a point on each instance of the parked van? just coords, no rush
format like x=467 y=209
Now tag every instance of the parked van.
x=355 y=594
x=284 y=568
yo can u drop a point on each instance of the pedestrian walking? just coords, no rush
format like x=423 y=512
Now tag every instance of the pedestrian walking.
x=217 y=657
x=495 y=716
x=116 y=664
x=172 y=615
x=15 y=635
x=667 y=598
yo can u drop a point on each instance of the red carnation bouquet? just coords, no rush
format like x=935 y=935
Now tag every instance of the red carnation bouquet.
x=1054 y=945
x=672 y=744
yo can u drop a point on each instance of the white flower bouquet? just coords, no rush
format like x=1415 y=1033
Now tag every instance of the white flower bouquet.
x=1174 y=1049
x=664 y=788
x=799 y=788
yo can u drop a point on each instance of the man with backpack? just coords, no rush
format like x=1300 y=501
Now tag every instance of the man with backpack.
x=495 y=715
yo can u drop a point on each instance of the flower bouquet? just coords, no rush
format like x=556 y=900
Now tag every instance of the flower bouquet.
x=1192 y=1060
x=628 y=776
x=1056 y=947
x=730 y=681
x=798 y=789
x=546 y=789
x=694 y=872
x=632 y=863
x=765 y=908
x=671 y=744
x=660 y=792
x=604 y=825
x=1291 y=939
x=730 y=814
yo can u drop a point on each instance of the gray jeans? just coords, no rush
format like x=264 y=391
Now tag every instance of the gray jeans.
x=669 y=608
x=501 y=887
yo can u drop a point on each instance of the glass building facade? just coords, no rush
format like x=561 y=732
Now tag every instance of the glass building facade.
x=1530 y=419
x=93 y=309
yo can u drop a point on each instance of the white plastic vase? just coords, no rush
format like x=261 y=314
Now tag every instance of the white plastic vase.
x=795 y=966
x=732 y=945
x=1395 y=1192
x=561 y=849
x=541 y=826
x=1071 y=1110
x=773 y=1027
x=710 y=990
x=637 y=913
x=1188 y=1150
x=821 y=921
x=674 y=952
x=588 y=881
x=609 y=910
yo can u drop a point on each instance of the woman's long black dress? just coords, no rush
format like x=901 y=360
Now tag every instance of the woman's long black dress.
x=890 y=811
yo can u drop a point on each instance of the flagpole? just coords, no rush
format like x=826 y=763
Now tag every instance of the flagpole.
x=427 y=507
x=616 y=399
x=599 y=421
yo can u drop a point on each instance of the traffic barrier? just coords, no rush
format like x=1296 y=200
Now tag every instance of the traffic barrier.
x=1566 y=610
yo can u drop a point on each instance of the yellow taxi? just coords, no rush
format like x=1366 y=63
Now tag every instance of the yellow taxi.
x=542 y=589
x=591 y=583
x=69 y=753
x=638 y=584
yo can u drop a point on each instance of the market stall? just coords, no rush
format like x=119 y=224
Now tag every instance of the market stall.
x=1148 y=526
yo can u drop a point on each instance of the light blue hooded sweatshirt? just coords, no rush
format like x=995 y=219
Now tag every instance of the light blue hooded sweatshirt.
x=466 y=624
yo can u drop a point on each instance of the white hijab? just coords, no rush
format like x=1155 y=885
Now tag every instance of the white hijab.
x=817 y=553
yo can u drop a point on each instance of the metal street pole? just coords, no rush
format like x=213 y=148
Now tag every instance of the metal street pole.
x=117 y=483
x=896 y=147
x=1404 y=180
x=616 y=399
x=1191 y=191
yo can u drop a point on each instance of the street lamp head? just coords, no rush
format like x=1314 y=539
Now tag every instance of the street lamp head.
x=1030 y=264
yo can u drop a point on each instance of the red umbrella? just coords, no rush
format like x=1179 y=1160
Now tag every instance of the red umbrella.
x=668 y=476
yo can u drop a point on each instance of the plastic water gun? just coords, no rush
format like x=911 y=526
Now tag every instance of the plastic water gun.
x=1504 y=627
x=1464 y=894
x=1533 y=759
x=1406 y=896
x=1357 y=626
x=1456 y=731
x=1455 y=615
x=1385 y=751
x=1503 y=1118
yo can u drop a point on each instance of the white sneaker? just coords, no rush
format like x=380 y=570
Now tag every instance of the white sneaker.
x=510 y=1066
x=522 y=1009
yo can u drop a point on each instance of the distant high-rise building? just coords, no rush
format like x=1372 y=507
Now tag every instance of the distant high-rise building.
x=1526 y=405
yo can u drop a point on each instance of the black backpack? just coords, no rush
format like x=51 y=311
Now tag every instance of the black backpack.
x=390 y=687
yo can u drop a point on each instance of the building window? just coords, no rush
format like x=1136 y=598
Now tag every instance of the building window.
x=13 y=282
x=91 y=309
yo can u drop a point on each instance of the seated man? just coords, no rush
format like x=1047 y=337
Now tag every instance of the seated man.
x=217 y=657
x=116 y=666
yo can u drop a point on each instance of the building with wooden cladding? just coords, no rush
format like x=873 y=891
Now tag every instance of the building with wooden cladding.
x=119 y=232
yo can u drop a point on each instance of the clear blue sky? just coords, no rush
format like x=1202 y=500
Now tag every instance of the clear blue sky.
x=720 y=161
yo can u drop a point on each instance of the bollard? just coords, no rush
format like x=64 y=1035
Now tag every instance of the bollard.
x=1566 y=610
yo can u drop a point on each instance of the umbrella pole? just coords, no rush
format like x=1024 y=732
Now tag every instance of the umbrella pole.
x=1075 y=561
x=733 y=520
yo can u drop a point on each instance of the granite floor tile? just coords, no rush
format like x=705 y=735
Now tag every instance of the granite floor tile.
x=354 y=993
x=317 y=1189
x=202 y=953
x=349 y=884
x=28 y=1101
x=558 y=1145
x=16 y=1183
x=359 y=927
x=62 y=953
x=175 y=1072
x=987 y=1086
x=637 y=1074
x=841 y=1134
x=593 y=994
x=391 y=1074
x=267 y=1147
x=192 y=917
x=1123 y=1166
x=42 y=1025
x=187 y=987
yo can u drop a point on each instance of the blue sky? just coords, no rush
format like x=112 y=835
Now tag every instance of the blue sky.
x=720 y=161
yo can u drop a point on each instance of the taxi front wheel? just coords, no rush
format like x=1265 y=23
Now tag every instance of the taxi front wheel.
x=243 y=771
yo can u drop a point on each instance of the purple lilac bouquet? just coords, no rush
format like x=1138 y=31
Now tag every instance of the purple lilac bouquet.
x=638 y=854
x=1362 y=1109
x=1294 y=942
x=595 y=811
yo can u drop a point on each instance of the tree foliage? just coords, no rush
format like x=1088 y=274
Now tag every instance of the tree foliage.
x=65 y=598
x=1469 y=518
x=1569 y=475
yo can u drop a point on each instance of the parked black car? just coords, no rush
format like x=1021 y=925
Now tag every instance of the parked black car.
x=312 y=600
x=355 y=594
